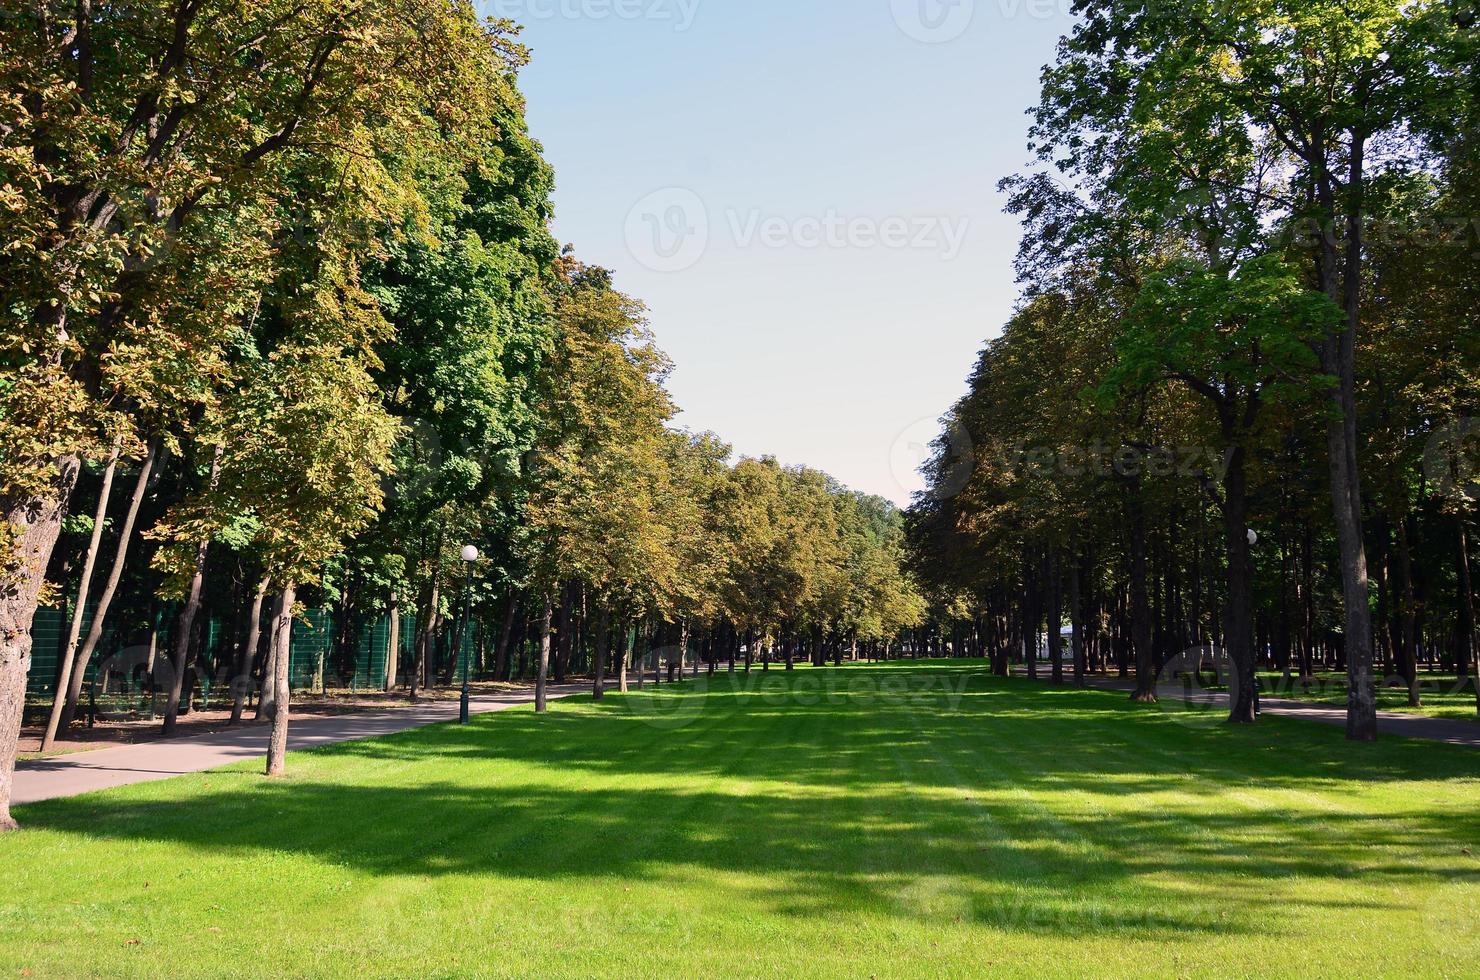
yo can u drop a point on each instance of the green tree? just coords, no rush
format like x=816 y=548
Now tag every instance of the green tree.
x=1240 y=341
x=1153 y=99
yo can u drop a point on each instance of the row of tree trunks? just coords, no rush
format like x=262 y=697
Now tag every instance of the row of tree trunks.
x=181 y=660
x=74 y=632
x=110 y=589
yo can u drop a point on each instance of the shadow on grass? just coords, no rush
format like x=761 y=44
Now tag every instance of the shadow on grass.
x=962 y=798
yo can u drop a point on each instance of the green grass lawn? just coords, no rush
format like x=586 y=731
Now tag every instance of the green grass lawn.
x=874 y=821
x=1443 y=697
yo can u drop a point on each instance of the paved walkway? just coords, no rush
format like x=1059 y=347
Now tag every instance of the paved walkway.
x=87 y=772
x=1454 y=731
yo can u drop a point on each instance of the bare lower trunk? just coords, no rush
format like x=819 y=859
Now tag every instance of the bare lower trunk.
x=1030 y=621
x=181 y=660
x=424 y=636
x=1467 y=607
x=1140 y=602
x=1361 y=708
x=105 y=599
x=623 y=656
x=501 y=657
x=282 y=628
x=267 y=700
x=74 y=633
x=1076 y=617
x=35 y=524
x=1407 y=641
x=540 y=679
x=565 y=636
x=1341 y=280
x=1238 y=623
x=243 y=680
x=639 y=654
x=393 y=644
x=603 y=629
x=1055 y=616
x=1361 y=721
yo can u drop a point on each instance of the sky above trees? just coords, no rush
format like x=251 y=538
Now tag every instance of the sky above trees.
x=834 y=347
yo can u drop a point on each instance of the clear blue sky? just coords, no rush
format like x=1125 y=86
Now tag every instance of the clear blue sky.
x=844 y=155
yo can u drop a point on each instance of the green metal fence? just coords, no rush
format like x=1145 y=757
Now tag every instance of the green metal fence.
x=315 y=656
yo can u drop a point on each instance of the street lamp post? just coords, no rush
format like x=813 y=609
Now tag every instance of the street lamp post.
x=469 y=555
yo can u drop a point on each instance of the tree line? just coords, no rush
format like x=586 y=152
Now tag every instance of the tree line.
x=284 y=323
x=1234 y=407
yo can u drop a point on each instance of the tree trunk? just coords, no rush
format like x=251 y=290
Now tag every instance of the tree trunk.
x=501 y=658
x=640 y=652
x=540 y=705
x=603 y=633
x=623 y=656
x=243 y=681
x=282 y=628
x=105 y=491
x=1361 y=709
x=105 y=599
x=427 y=621
x=393 y=643
x=267 y=700
x=1076 y=616
x=1140 y=603
x=1467 y=608
x=1340 y=279
x=186 y=625
x=1238 y=619
x=35 y=524
x=1052 y=578
x=564 y=637
x=1031 y=619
